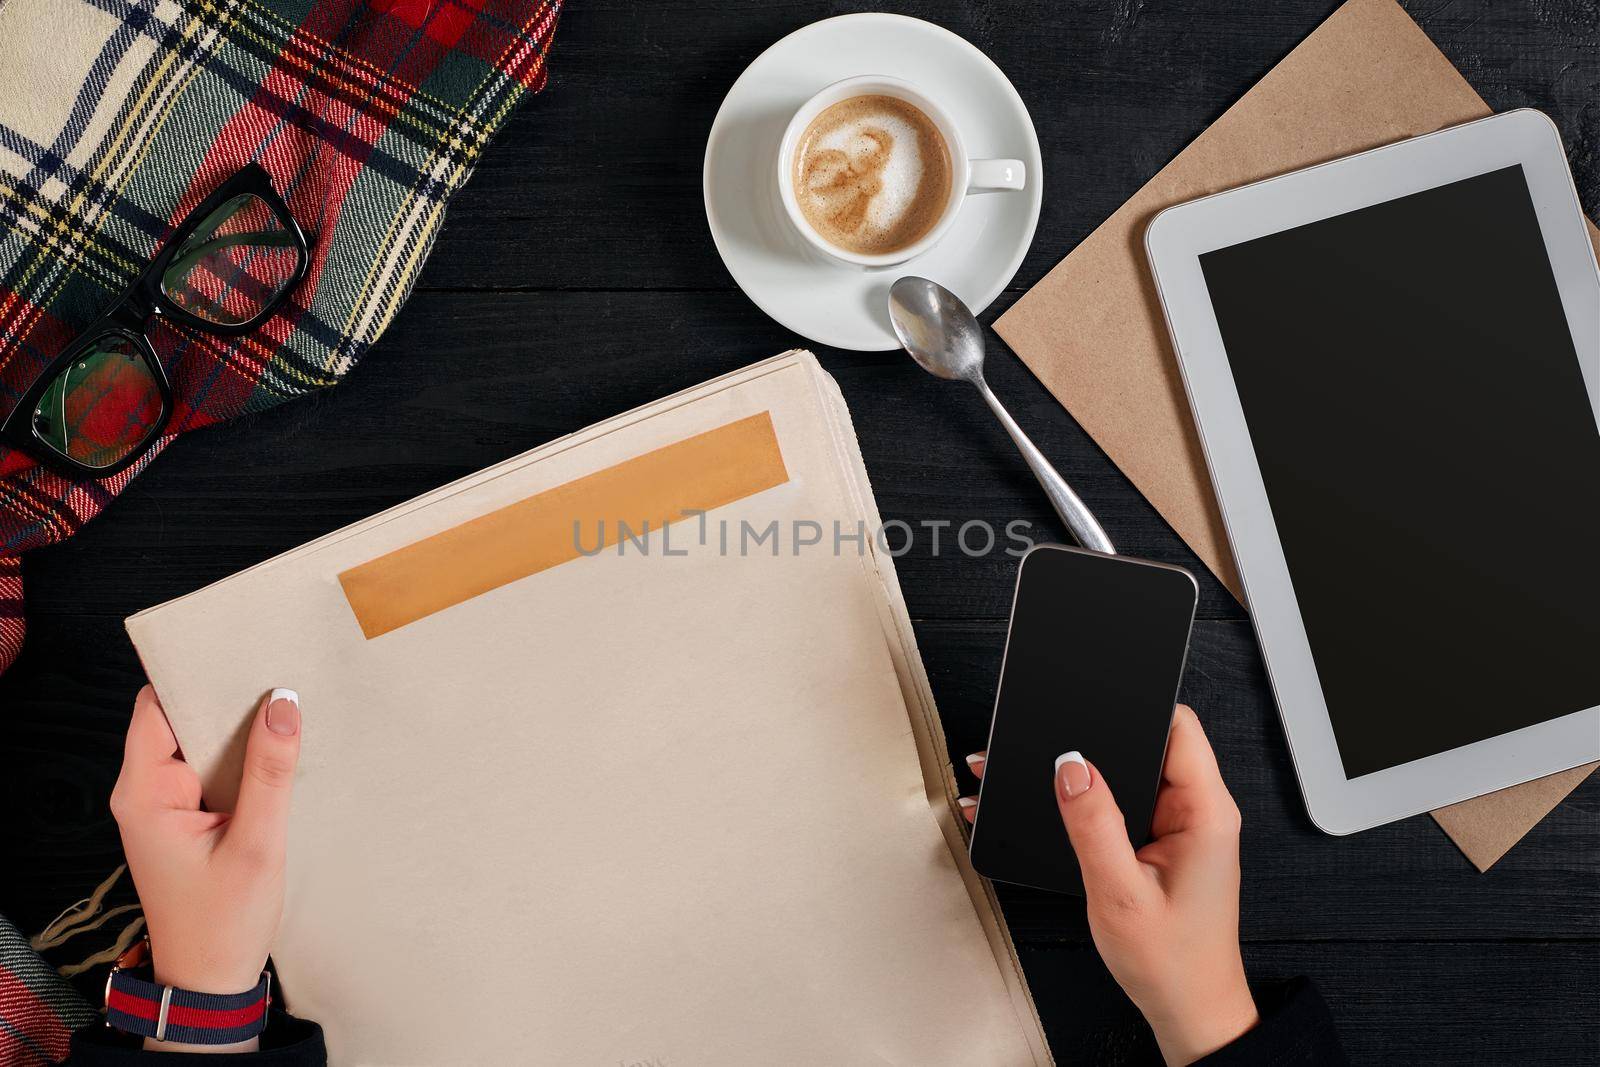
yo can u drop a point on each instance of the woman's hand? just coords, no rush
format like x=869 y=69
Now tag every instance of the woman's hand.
x=1166 y=918
x=211 y=883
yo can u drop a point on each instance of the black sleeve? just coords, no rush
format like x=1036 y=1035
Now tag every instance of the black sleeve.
x=287 y=1042
x=1296 y=1028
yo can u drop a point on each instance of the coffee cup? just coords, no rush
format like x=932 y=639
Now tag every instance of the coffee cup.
x=852 y=198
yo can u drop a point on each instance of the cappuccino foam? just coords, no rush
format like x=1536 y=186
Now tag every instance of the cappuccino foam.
x=872 y=174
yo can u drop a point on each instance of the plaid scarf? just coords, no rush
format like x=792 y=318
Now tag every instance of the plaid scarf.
x=38 y=1008
x=119 y=116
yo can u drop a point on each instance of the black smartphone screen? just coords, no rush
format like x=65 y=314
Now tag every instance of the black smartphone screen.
x=1092 y=664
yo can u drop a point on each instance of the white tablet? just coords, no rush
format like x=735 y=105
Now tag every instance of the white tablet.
x=1394 y=363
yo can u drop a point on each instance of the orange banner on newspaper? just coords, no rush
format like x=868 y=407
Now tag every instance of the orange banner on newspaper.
x=649 y=491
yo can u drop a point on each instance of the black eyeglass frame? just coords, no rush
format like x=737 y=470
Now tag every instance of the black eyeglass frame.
x=131 y=315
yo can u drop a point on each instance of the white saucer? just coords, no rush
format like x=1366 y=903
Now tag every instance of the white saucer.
x=828 y=302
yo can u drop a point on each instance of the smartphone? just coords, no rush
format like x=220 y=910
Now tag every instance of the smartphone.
x=1092 y=664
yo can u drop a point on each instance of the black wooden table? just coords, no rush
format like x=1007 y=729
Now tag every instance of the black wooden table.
x=576 y=278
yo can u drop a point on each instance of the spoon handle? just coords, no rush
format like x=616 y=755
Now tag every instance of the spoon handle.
x=1080 y=521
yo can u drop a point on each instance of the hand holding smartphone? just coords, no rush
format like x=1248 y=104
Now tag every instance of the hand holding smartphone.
x=1092 y=664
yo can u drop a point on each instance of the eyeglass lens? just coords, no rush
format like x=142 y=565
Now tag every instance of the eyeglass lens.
x=236 y=262
x=102 y=406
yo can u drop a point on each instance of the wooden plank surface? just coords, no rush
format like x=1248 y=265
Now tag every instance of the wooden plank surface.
x=575 y=279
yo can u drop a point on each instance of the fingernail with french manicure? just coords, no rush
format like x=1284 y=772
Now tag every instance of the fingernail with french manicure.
x=283 y=712
x=1075 y=779
x=975 y=759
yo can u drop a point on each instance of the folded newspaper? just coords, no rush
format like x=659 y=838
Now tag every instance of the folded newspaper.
x=618 y=751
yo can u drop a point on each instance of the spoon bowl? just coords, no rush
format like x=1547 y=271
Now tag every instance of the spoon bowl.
x=937 y=329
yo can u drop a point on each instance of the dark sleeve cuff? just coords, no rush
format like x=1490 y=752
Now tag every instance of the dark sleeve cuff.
x=287 y=1042
x=1296 y=1028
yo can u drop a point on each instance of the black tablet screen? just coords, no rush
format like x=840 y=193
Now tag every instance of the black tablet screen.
x=1419 y=415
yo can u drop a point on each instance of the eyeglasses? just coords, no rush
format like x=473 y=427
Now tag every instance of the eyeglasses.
x=105 y=399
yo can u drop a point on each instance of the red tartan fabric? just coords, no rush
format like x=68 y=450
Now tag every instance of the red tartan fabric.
x=38 y=1008
x=367 y=115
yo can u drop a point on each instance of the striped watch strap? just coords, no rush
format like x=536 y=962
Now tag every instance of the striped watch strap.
x=137 y=1006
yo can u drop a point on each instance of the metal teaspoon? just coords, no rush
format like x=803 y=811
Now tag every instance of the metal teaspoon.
x=943 y=336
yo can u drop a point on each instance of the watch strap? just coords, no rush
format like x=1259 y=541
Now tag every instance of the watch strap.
x=136 y=1005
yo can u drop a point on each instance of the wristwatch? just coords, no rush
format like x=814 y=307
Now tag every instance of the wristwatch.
x=137 y=1005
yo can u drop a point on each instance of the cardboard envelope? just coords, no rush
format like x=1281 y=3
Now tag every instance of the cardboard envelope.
x=1092 y=329
x=581 y=794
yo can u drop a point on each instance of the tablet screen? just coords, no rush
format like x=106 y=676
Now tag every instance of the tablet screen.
x=1432 y=461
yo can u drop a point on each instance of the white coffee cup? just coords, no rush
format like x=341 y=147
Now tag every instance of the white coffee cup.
x=967 y=175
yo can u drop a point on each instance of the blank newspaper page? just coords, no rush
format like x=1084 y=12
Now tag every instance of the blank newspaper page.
x=571 y=793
